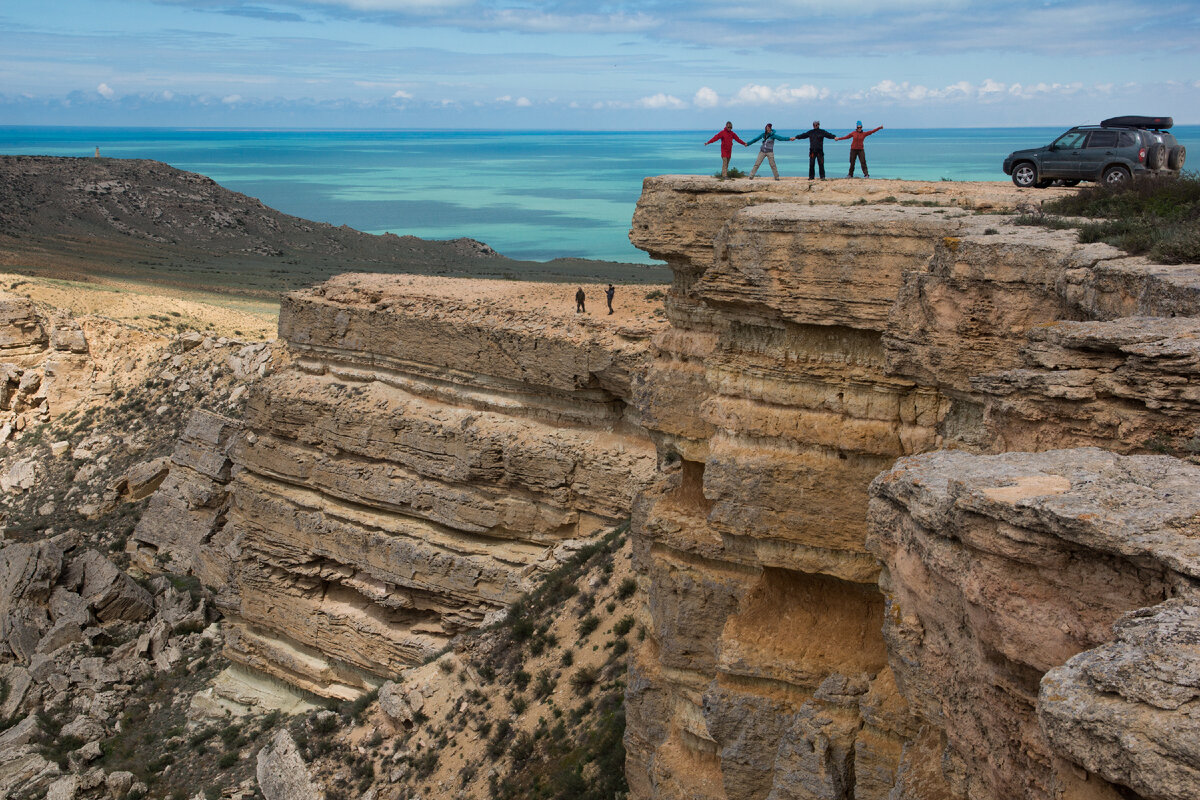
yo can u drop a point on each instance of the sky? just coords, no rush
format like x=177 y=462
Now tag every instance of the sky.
x=598 y=65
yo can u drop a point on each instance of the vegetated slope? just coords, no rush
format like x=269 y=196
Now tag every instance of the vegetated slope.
x=532 y=707
x=1158 y=218
x=147 y=221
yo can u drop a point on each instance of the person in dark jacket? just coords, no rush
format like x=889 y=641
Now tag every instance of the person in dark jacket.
x=816 y=147
x=579 y=301
x=608 y=294
x=856 y=146
x=727 y=137
x=767 y=150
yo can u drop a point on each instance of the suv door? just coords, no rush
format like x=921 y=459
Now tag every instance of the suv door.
x=1061 y=158
x=1101 y=149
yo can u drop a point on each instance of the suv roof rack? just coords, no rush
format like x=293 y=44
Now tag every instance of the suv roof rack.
x=1156 y=123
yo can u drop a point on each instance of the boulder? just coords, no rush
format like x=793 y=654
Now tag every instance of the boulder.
x=109 y=591
x=282 y=774
x=1129 y=710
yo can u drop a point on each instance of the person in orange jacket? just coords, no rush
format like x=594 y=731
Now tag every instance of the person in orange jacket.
x=727 y=137
x=856 y=147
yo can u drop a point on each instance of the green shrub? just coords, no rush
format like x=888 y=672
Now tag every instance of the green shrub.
x=623 y=626
x=626 y=589
x=1156 y=217
x=584 y=679
x=587 y=625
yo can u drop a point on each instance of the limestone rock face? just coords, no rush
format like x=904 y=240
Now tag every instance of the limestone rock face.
x=1126 y=710
x=1000 y=568
x=809 y=641
x=427 y=457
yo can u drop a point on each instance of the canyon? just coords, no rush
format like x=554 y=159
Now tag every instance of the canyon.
x=911 y=490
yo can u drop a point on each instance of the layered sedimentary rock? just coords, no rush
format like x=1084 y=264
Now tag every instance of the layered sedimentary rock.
x=810 y=347
x=1000 y=569
x=429 y=454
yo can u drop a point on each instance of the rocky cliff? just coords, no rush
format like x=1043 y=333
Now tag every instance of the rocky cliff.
x=817 y=635
x=914 y=506
x=430 y=453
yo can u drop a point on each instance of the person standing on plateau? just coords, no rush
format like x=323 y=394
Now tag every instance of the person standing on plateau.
x=767 y=150
x=856 y=146
x=727 y=137
x=816 y=147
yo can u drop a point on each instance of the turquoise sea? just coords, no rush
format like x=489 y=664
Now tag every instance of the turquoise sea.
x=529 y=194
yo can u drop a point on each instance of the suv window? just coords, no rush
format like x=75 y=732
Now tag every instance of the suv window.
x=1071 y=140
x=1102 y=139
x=1128 y=139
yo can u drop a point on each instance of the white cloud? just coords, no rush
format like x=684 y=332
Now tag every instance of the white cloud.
x=759 y=95
x=105 y=91
x=705 y=98
x=661 y=100
x=400 y=94
x=1043 y=89
x=168 y=94
x=230 y=99
x=523 y=102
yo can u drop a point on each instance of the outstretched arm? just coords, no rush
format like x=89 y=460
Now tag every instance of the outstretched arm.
x=738 y=138
x=868 y=133
x=828 y=135
x=847 y=136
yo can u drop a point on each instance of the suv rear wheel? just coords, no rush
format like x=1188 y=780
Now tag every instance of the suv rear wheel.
x=1025 y=175
x=1115 y=176
x=1176 y=157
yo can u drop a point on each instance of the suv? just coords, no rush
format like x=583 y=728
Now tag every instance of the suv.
x=1112 y=152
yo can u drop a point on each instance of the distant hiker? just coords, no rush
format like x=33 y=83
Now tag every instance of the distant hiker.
x=97 y=151
x=727 y=137
x=856 y=146
x=816 y=147
x=579 y=301
x=608 y=293
x=767 y=150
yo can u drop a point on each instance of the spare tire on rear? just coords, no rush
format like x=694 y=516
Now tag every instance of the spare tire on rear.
x=1155 y=156
x=1176 y=157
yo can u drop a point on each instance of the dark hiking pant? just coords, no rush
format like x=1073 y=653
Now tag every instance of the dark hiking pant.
x=815 y=160
x=861 y=155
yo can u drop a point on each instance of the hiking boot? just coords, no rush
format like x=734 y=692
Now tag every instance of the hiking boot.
x=865 y=175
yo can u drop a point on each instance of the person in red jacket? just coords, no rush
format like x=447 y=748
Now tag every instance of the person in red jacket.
x=856 y=147
x=727 y=137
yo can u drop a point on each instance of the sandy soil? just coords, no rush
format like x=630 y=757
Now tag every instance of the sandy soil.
x=156 y=309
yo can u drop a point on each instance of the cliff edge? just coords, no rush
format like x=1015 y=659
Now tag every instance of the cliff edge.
x=821 y=633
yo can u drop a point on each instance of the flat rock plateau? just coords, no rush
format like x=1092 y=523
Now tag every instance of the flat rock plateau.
x=883 y=497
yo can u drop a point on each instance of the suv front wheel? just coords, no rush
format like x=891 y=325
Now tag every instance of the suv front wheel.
x=1115 y=176
x=1025 y=175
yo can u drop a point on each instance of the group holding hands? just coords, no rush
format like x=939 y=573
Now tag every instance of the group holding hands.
x=816 y=148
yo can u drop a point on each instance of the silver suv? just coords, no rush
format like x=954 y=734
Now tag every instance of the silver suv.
x=1112 y=152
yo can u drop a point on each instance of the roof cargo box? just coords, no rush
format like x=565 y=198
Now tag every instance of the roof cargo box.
x=1157 y=123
